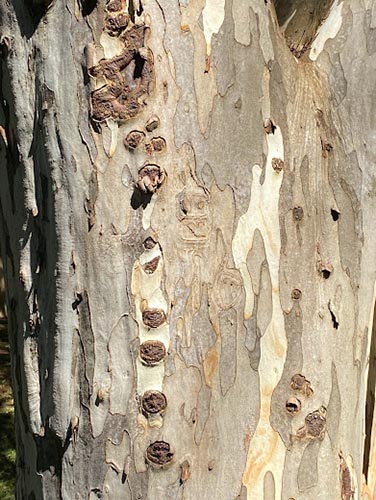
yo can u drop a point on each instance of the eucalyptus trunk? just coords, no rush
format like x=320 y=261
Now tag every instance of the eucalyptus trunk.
x=187 y=203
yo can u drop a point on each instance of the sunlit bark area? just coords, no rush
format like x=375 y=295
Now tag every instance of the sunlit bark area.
x=187 y=200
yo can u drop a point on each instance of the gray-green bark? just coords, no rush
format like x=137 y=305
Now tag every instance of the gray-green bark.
x=187 y=204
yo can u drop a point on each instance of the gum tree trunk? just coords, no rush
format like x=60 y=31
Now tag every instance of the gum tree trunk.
x=187 y=203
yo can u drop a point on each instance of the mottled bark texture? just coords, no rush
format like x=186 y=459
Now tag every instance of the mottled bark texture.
x=187 y=203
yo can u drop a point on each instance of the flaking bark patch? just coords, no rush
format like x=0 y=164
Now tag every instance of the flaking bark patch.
x=129 y=78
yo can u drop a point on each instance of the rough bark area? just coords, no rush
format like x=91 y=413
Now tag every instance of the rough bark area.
x=187 y=230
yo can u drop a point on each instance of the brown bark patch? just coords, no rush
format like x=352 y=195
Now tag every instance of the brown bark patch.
x=152 y=265
x=159 y=453
x=153 y=402
x=156 y=145
x=300 y=384
x=129 y=79
x=347 y=491
x=134 y=139
x=114 y=25
x=115 y=5
x=278 y=164
x=150 y=177
x=152 y=352
x=314 y=425
x=153 y=318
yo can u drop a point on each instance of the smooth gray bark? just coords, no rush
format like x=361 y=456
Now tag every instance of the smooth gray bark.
x=187 y=205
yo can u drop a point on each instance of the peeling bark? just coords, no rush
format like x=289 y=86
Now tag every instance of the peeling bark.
x=187 y=231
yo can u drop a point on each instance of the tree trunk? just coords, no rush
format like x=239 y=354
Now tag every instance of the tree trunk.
x=188 y=235
x=2 y=294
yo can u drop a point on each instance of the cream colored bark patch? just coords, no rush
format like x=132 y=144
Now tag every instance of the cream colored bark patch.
x=328 y=30
x=266 y=450
x=147 y=292
x=213 y=16
x=112 y=46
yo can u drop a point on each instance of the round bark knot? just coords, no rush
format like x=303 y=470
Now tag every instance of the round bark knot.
x=293 y=405
x=159 y=453
x=134 y=139
x=278 y=164
x=296 y=294
x=300 y=384
x=152 y=265
x=156 y=145
x=149 y=243
x=298 y=213
x=152 y=124
x=150 y=177
x=153 y=402
x=315 y=424
x=269 y=126
x=153 y=318
x=152 y=352
x=228 y=288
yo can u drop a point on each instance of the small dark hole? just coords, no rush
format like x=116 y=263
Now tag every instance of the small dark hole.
x=139 y=66
x=77 y=302
x=325 y=273
x=335 y=214
x=334 y=319
x=291 y=407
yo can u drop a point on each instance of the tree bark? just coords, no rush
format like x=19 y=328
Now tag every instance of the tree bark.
x=186 y=213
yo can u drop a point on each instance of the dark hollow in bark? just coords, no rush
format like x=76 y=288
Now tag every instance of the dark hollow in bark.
x=304 y=17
